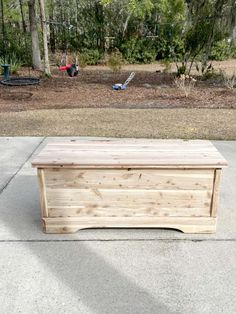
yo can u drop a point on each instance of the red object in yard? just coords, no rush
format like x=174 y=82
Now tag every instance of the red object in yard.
x=65 y=68
x=71 y=69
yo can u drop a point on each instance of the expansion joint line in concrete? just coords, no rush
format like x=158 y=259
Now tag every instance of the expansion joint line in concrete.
x=21 y=166
x=117 y=240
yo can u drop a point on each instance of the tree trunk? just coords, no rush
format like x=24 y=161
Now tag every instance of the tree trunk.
x=126 y=25
x=36 y=58
x=99 y=16
x=52 y=38
x=22 y=17
x=233 y=37
x=3 y=31
x=45 y=38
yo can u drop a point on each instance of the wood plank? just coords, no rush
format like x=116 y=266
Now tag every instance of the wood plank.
x=171 y=201
x=129 y=183
x=123 y=155
x=62 y=197
x=43 y=198
x=130 y=153
x=126 y=211
x=185 y=224
x=133 y=179
x=131 y=142
x=123 y=166
x=216 y=193
x=128 y=148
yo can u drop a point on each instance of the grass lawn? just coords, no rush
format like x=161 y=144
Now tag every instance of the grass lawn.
x=149 y=123
x=152 y=107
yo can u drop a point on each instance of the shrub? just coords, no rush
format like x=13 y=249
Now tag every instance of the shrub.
x=228 y=80
x=115 y=61
x=83 y=60
x=211 y=75
x=206 y=70
x=233 y=51
x=89 y=56
x=139 y=51
x=185 y=83
x=17 y=46
x=15 y=64
x=221 y=50
x=167 y=66
x=181 y=70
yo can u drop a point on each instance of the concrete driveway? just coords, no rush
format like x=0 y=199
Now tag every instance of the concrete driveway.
x=135 y=271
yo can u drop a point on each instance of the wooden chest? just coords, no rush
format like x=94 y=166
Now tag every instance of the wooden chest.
x=129 y=183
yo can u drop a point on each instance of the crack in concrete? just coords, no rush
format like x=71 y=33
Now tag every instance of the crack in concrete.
x=21 y=166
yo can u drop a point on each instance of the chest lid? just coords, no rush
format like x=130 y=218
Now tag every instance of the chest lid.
x=133 y=153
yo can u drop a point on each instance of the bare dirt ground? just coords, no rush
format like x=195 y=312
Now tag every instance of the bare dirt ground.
x=93 y=89
x=151 y=94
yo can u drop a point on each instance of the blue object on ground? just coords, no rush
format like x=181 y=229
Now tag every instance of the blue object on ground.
x=124 y=86
x=6 y=71
x=119 y=87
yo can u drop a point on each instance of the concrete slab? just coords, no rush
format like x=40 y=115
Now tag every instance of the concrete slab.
x=14 y=152
x=20 y=212
x=118 y=277
x=140 y=271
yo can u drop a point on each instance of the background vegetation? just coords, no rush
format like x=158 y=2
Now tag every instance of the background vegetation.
x=141 y=30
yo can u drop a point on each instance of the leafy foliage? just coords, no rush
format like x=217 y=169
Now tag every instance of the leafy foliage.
x=221 y=50
x=143 y=30
x=139 y=51
x=13 y=61
x=115 y=61
x=90 y=56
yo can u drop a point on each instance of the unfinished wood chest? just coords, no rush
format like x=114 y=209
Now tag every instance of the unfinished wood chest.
x=129 y=183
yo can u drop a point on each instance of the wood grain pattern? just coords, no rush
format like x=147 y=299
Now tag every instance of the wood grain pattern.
x=113 y=200
x=117 y=193
x=159 y=179
x=216 y=193
x=132 y=153
x=187 y=225
x=129 y=183
x=43 y=198
x=94 y=210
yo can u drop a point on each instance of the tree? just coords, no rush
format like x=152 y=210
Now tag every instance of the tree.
x=36 y=58
x=139 y=8
x=206 y=24
x=143 y=30
x=22 y=17
x=45 y=38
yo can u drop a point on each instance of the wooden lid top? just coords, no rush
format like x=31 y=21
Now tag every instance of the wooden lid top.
x=133 y=153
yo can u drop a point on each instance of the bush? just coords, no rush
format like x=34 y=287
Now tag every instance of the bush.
x=89 y=56
x=115 y=61
x=185 y=83
x=17 y=46
x=229 y=81
x=221 y=51
x=233 y=51
x=167 y=65
x=15 y=64
x=83 y=60
x=181 y=70
x=139 y=51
